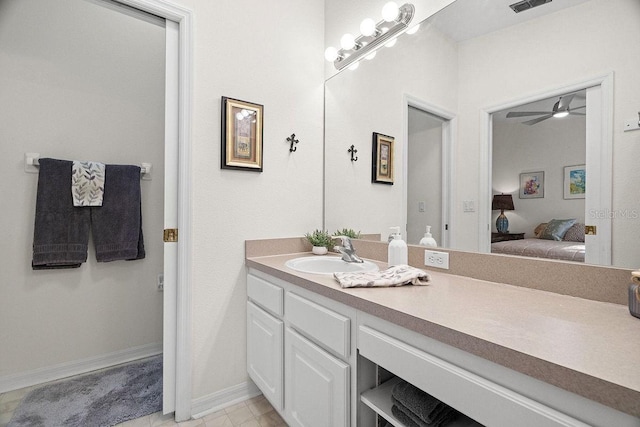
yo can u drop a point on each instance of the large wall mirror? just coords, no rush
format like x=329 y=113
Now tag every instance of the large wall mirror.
x=469 y=100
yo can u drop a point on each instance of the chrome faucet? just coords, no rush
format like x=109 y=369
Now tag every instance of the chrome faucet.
x=347 y=251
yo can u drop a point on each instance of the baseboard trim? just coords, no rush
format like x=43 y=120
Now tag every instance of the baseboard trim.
x=214 y=402
x=76 y=367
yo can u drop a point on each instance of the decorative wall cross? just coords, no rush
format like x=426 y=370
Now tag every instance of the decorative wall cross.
x=292 y=139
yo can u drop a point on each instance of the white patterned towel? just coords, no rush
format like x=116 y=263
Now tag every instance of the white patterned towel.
x=87 y=183
x=398 y=275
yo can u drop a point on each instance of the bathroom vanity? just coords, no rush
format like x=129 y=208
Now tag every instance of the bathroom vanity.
x=500 y=354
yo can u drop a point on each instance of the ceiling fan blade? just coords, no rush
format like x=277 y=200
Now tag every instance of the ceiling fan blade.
x=577 y=114
x=577 y=108
x=565 y=101
x=538 y=120
x=526 y=113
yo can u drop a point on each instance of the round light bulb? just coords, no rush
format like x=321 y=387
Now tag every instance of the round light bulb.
x=390 y=11
x=354 y=66
x=368 y=27
x=371 y=55
x=239 y=116
x=331 y=54
x=244 y=113
x=413 y=29
x=391 y=43
x=347 y=41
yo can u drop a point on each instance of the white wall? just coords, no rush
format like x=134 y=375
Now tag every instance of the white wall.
x=595 y=38
x=548 y=146
x=269 y=53
x=264 y=52
x=357 y=104
x=74 y=87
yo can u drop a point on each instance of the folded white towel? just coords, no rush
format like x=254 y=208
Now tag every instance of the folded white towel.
x=87 y=183
x=398 y=275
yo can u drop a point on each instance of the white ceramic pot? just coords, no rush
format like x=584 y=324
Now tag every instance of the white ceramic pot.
x=319 y=250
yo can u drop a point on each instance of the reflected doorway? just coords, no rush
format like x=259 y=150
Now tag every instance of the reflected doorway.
x=428 y=157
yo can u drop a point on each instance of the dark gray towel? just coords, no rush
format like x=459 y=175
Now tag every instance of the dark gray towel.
x=404 y=418
x=441 y=416
x=117 y=224
x=61 y=232
x=425 y=406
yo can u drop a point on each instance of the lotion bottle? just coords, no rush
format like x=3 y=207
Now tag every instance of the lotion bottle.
x=428 y=239
x=397 y=252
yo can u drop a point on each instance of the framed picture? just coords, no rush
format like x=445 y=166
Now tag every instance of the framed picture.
x=575 y=182
x=382 y=159
x=531 y=185
x=241 y=135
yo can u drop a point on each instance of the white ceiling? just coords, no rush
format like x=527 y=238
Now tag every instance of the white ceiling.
x=466 y=19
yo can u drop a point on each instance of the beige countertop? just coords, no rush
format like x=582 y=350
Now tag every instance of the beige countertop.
x=588 y=347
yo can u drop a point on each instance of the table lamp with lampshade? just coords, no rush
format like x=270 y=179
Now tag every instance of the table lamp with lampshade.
x=503 y=202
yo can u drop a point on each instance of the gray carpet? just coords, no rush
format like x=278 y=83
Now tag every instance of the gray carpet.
x=105 y=398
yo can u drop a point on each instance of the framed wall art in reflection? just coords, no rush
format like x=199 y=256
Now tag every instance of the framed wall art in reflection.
x=242 y=129
x=382 y=159
x=531 y=185
x=575 y=182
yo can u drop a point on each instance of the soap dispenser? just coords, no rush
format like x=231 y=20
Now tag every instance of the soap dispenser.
x=397 y=252
x=428 y=239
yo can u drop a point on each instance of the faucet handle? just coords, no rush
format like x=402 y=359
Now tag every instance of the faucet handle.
x=346 y=242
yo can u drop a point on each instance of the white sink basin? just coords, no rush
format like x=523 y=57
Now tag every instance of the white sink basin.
x=328 y=265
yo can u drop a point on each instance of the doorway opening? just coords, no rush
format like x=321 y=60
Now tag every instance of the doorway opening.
x=596 y=95
x=428 y=164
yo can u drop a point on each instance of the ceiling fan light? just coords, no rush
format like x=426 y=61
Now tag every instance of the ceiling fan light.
x=560 y=114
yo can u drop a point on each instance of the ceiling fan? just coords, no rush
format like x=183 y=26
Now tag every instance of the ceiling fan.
x=560 y=109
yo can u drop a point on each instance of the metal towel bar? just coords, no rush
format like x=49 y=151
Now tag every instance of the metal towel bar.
x=32 y=161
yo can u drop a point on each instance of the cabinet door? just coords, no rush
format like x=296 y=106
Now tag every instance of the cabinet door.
x=316 y=385
x=264 y=353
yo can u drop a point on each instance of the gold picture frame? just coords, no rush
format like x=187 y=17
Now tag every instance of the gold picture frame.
x=242 y=130
x=382 y=159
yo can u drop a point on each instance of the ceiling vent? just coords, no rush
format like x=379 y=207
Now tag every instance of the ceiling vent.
x=527 y=4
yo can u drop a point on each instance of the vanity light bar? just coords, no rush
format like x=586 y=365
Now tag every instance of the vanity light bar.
x=385 y=31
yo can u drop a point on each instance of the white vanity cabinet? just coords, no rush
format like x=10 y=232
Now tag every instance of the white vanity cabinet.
x=264 y=353
x=316 y=385
x=299 y=352
x=319 y=361
x=265 y=339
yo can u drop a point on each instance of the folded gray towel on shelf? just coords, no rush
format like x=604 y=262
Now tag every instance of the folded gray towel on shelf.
x=117 y=224
x=398 y=275
x=423 y=405
x=404 y=417
x=61 y=232
x=440 y=416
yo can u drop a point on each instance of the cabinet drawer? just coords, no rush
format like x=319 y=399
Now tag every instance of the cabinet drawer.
x=319 y=323
x=483 y=400
x=265 y=294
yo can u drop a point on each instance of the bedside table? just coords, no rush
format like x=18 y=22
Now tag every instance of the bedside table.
x=503 y=237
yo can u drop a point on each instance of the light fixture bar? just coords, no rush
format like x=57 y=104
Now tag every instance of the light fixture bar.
x=367 y=44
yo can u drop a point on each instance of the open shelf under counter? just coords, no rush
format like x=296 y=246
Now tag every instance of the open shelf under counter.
x=379 y=400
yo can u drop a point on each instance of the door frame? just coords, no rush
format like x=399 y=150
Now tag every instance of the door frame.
x=599 y=141
x=183 y=17
x=449 y=134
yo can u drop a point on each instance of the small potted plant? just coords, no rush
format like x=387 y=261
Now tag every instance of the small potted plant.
x=349 y=232
x=320 y=240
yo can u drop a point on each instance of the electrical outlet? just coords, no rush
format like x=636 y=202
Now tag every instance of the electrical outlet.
x=436 y=259
x=160 y=282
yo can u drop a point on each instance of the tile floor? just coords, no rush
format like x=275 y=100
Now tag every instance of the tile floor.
x=255 y=412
